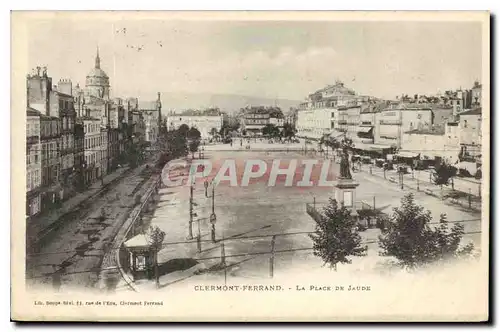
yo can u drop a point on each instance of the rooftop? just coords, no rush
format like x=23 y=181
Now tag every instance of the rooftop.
x=32 y=112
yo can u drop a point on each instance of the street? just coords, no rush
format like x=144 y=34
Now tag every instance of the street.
x=75 y=250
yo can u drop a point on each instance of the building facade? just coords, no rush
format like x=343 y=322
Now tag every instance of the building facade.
x=152 y=118
x=476 y=95
x=33 y=163
x=327 y=111
x=392 y=123
x=50 y=138
x=92 y=146
x=471 y=135
x=254 y=120
x=203 y=122
x=67 y=116
x=79 y=155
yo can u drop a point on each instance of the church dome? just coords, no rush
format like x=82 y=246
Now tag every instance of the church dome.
x=97 y=72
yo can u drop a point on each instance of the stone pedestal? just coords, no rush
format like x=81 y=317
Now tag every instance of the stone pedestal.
x=345 y=194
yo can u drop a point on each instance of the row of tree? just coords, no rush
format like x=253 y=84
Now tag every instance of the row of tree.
x=178 y=143
x=407 y=236
x=272 y=131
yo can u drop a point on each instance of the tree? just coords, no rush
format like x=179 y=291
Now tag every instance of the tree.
x=183 y=129
x=443 y=174
x=270 y=130
x=288 y=130
x=193 y=146
x=336 y=237
x=176 y=144
x=411 y=240
x=155 y=237
x=194 y=134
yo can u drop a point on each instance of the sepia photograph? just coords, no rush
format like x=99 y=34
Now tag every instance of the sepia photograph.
x=250 y=166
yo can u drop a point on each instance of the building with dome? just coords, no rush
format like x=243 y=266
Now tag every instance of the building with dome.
x=97 y=81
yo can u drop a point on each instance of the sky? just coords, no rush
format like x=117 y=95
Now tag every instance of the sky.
x=271 y=59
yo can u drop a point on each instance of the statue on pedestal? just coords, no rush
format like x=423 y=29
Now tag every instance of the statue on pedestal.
x=345 y=172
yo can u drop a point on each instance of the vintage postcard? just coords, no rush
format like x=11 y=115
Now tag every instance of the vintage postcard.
x=250 y=166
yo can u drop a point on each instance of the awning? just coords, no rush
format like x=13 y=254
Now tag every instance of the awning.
x=364 y=129
x=407 y=154
x=138 y=241
x=469 y=166
x=336 y=134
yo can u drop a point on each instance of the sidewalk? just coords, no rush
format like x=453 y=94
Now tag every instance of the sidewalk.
x=179 y=258
x=419 y=182
x=42 y=222
x=256 y=146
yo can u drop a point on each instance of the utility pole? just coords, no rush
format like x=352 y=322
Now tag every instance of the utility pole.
x=213 y=217
x=191 y=190
x=198 y=238
x=223 y=259
x=271 y=259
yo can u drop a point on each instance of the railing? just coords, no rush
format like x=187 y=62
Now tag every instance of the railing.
x=314 y=209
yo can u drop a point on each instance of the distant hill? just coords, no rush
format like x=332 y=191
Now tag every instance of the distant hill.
x=225 y=102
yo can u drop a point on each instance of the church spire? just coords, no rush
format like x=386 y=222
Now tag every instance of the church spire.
x=97 y=59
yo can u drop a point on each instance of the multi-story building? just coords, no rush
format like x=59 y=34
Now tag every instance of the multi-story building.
x=103 y=151
x=63 y=101
x=436 y=143
x=204 y=121
x=393 y=122
x=291 y=117
x=254 y=120
x=116 y=137
x=476 y=94
x=276 y=118
x=92 y=146
x=79 y=155
x=50 y=138
x=152 y=118
x=321 y=113
x=314 y=123
x=471 y=135
x=33 y=163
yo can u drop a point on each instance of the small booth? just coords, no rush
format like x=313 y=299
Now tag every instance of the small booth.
x=407 y=158
x=140 y=257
